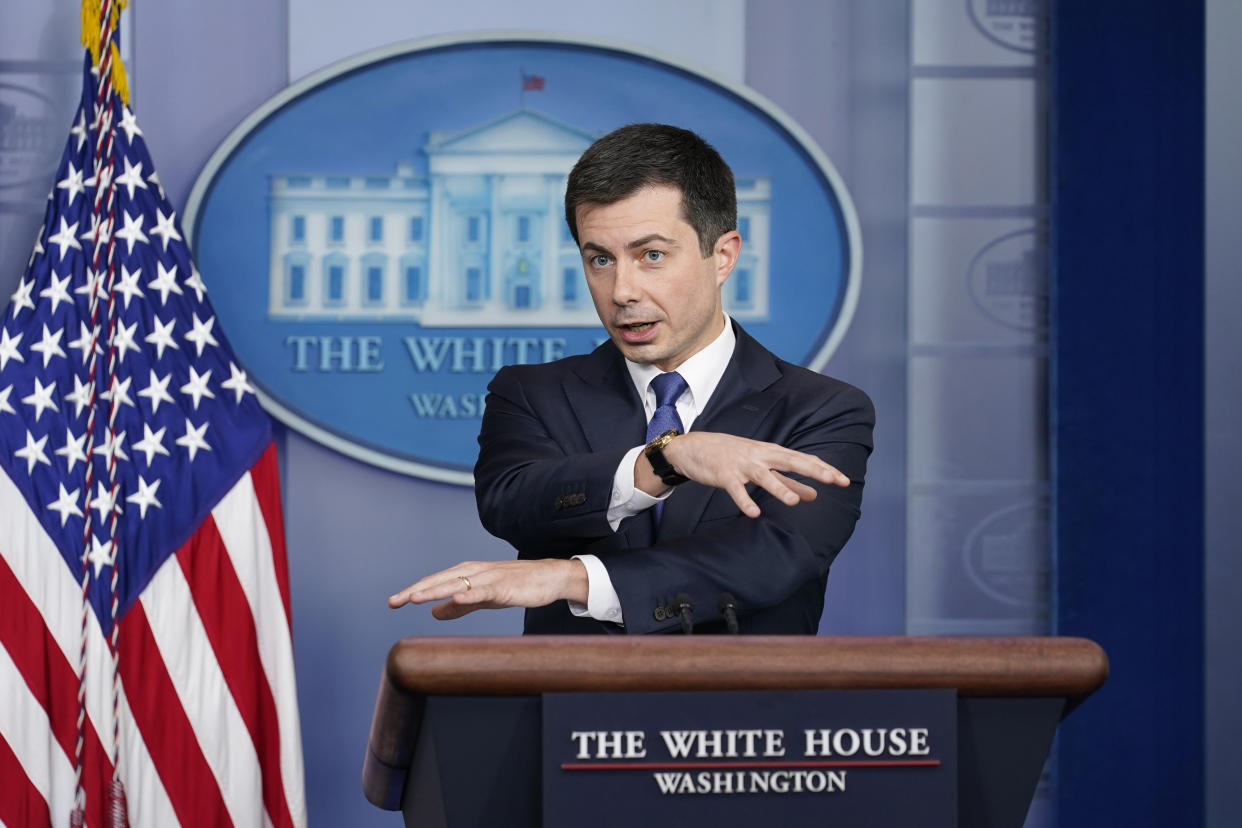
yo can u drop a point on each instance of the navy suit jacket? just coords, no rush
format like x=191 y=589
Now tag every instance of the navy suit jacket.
x=553 y=436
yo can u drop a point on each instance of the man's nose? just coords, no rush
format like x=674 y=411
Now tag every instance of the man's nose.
x=627 y=287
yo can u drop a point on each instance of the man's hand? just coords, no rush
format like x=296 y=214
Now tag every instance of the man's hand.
x=728 y=462
x=476 y=585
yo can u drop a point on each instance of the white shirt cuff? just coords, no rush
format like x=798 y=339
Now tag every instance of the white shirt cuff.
x=602 y=604
x=627 y=499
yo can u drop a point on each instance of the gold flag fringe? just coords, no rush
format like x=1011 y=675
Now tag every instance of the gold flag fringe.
x=90 y=39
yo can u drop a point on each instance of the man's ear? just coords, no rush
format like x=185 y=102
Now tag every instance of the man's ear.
x=728 y=248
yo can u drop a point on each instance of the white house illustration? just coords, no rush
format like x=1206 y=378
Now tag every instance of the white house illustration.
x=480 y=241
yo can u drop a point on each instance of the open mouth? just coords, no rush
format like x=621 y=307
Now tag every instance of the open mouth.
x=637 y=332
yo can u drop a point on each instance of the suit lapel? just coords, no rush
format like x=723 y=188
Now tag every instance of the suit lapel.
x=738 y=405
x=604 y=401
x=610 y=414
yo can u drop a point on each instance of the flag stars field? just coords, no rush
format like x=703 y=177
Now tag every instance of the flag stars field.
x=152 y=443
x=56 y=292
x=118 y=393
x=237 y=382
x=99 y=232
x=128 y=285
x=201 y=334
x=90 y=285
x=33 y=452
x=145 y=496
x=65 y=238
x=41 y=398
x=195 y=283
x=164 y=227
x=161 y=337
x=157 y=391
x=21 y=297
x=131 y=178
x=132 y=233
x=66 y=504
x=74 y=452
x=193 y=438
x=197 y=388
x=8 y=348
x=113 y=447
x=49 y=345
x=166 y=282
x=73 y=183
x=101 y=554
x=123 y=340
x=80 y=396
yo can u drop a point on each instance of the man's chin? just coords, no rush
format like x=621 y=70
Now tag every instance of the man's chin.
x=641 y=352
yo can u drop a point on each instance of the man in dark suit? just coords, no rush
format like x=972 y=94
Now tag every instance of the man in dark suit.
x=680 y=462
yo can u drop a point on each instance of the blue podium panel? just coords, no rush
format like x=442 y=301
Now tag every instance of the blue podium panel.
x=796 y=758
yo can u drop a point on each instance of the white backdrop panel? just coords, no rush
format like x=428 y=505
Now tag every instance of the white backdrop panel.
x=710 y=33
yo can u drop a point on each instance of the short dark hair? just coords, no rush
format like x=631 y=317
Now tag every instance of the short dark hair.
x=642 y=155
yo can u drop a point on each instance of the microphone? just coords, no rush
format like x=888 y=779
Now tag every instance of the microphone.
x=685 y=608
x=728 y=608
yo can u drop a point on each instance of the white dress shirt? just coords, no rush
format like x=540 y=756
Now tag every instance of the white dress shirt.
x=702 y=373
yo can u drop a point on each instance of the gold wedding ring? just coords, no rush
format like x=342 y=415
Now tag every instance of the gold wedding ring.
x=465 y=581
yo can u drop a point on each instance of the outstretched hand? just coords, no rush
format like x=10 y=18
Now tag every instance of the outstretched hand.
x=729 y=462
x=474 y=585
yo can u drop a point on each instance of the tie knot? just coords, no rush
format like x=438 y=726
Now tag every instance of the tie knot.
x=668 y=387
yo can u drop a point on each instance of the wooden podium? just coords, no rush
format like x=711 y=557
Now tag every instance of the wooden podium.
x=442 y=699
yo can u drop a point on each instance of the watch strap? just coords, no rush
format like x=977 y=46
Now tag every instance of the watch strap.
x=659 y=463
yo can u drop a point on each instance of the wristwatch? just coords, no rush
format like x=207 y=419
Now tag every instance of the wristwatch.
x=655 y=454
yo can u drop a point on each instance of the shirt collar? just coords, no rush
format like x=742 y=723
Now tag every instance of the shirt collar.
x=702 y=371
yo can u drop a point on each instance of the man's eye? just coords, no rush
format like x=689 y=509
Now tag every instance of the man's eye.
x=600 y=261
x=653 y=255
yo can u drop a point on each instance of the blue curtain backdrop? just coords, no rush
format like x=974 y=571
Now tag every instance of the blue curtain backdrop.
x=1127 y=401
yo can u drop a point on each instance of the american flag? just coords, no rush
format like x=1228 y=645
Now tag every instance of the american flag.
x=532 y=83
x=131 y=443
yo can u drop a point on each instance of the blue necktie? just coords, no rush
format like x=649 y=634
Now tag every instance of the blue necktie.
x=667 y=387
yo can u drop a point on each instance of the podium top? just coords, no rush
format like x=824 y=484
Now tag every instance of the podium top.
x=974 y=666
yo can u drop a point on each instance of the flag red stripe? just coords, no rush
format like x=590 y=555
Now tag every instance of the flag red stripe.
x=192 y=789
x=34 y=652
x=220 y=601
x=53 y=683
x=20 y=802
x=266 y=478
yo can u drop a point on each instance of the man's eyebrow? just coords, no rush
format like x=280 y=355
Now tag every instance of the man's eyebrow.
x=648 y=239
x=595 y=248
x=592 y=247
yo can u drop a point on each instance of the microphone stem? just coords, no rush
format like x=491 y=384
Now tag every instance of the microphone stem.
x=685 y=608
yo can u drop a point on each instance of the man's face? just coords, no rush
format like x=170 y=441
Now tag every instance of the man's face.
x=653 y=289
